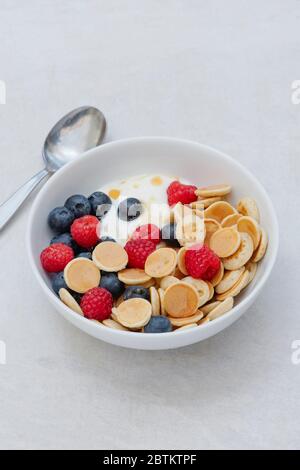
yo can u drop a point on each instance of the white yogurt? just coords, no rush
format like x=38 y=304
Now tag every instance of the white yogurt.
x=151 y=190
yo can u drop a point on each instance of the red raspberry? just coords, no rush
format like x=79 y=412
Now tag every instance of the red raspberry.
x=147 y=232
x=201 y=262
x=56 y=257
x=138 y=251
x=178 y=192
x=97 y=304
x=86 y=231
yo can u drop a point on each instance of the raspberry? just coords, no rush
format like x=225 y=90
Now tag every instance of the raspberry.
x=85 y=231
x=138 y=251
x=147 y=232
x=56 y=257
x=97 y=304
x=201 y=262
x=178 y=192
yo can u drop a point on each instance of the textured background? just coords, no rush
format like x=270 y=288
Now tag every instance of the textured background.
x=216 y=72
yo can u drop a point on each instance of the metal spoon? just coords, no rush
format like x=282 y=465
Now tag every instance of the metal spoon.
x=80 y=130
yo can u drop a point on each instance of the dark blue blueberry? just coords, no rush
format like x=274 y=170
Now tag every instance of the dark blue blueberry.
x=111 y=282
x=58 y=282
x=85 y=254
x=79 y=205
x=107 y=239
x=130 y=209
x=139 y=292
x=168 y=234
x=66 y=239
x=100 y=204
x=158 y=324
x=60 y=219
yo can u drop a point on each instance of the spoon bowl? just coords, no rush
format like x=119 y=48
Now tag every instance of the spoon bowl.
x=80 y=130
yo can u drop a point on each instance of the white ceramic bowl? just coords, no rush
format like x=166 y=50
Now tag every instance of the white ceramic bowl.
x=197 y=163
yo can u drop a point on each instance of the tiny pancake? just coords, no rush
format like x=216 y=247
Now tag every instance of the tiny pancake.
x=133 y=276
x=81 y=275
x=229 y=280
x=187 y=327
x=249 y=225
x=190 y=230
x=181 y=261
x=218 y=277
x=110 y=256
x=225 y=242
x=155 y=301
x=211 y=226
x=114 y=312
x=134 y=313
x=201 y=287
x=241 y=256
x=186 y=320
x=205 y=202
x=214 y=190
x=168 y=281
x=114 y=325
x=161 y=294
x=181 y=300
x=219 y=210
x=247 y=206
x=262 y=247
x=252 y=268
x=231 y=220
x=211 y=290
x=209 y=307
x=69 y=301
x=237 y=288
x=221 y=309
x=161 y=262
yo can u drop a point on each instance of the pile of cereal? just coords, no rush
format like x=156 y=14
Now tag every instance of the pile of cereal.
x=181 y=275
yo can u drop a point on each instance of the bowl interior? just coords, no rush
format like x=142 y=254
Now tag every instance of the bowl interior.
x=199 y=164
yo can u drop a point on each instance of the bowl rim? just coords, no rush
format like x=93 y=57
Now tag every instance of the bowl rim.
x=164 y=140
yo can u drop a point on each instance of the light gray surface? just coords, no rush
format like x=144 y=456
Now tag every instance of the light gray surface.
x=216 y=72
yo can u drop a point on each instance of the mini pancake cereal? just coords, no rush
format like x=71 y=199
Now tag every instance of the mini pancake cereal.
x=110 y=257
x=225 y=242
x=161 y=262
x=153 y=253
x=181 y=300
x=81 y=275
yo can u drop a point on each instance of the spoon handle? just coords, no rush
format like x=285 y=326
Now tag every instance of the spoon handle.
x=9 y=207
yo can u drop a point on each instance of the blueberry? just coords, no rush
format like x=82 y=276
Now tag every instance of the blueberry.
x=158 y=324
x=85 y=254
x=66 y=239
x=139 y=292
x=100 y=204
x=79 y=205
x=130 y=209
x=58 y=282
x=107 y=239
x=60 y=219
x=168 y=234
x=111 y=282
